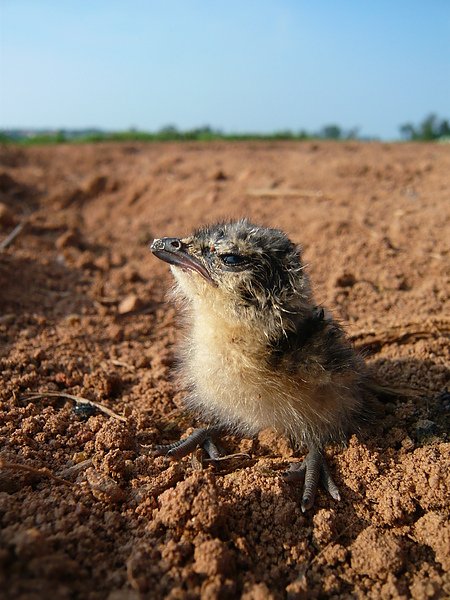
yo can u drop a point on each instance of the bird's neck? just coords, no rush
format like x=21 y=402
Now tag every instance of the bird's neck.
x=251 y=327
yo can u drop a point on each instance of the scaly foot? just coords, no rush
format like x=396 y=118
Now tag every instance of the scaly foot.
x=200 y=438
x=310 y=471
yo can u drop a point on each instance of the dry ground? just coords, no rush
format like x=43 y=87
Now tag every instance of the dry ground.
x=83 y=312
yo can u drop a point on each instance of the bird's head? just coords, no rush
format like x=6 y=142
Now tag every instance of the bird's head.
x=238 y=265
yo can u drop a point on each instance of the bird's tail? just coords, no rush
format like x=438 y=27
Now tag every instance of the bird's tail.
x=386 y=392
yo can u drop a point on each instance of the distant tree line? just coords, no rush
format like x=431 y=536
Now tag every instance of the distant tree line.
x=431 y=128
x=167 y=133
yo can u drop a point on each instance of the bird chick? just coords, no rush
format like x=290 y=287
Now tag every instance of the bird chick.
x=259 y=353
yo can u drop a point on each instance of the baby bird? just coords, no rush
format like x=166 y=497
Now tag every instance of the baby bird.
x=259 y=352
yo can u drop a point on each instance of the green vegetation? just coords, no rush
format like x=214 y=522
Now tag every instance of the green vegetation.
x=430 y=129
x=169 y=133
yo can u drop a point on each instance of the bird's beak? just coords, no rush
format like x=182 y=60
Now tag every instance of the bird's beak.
x=174 y=252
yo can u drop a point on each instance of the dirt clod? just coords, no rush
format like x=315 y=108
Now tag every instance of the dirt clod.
x=103 y=487
x=212 y=557
x=377 y=553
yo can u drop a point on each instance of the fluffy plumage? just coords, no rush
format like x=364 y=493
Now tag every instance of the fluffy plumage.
x=258 y=352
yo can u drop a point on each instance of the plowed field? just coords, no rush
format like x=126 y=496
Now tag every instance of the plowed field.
x=85 y=510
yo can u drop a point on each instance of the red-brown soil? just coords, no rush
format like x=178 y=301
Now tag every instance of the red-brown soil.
x=83 y=311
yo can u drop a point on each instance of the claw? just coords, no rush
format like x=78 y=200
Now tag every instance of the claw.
x=312 y=476
x=296 y=473
x=328 y=483
x=198 y=438
x=211 y=449
x=309 y=472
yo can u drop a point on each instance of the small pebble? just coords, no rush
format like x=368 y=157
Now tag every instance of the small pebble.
x=425 y=429
x=346 y=280
x=85 y=410
x=128 y=304
x=104 y=488
x=6 y=216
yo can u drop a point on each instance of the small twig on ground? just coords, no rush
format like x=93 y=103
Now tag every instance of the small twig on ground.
x=12 y=236
x=400 y=334
x=119 y=363
x=44 y=472
x=76 y=468
x=276 y=192
x=227 y=457
x=78 y=400
x=107 y=301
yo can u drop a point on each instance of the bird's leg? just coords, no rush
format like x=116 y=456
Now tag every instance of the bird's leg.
x=312 y=470
x=200 y=438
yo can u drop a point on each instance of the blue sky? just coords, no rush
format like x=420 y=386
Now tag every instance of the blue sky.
x=235 y=65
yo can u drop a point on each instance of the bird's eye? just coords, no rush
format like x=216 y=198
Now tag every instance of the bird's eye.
x=232 y=260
